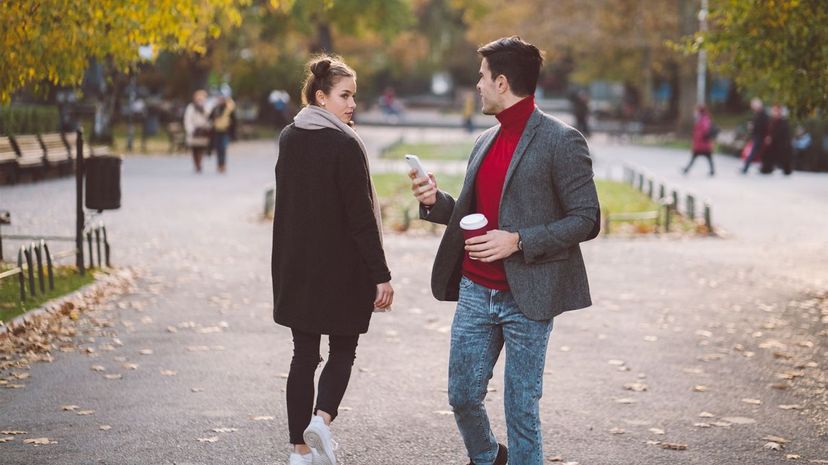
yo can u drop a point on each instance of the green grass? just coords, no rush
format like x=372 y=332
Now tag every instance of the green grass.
x=429 y=151
x=66 y=281
x=617 y=197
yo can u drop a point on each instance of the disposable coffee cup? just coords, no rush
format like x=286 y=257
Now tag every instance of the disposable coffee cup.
x=473 y=225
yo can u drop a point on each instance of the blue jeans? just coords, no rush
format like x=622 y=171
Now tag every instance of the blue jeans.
x=484 y=322
x=222 y=140
x=754 y=150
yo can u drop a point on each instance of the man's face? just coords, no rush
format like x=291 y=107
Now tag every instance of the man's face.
x=487 y=88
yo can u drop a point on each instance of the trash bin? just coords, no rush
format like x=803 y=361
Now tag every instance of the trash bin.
x=103 y=182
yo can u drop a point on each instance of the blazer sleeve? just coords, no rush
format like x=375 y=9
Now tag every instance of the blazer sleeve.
x=354 y=186
x=572 y=178
x=441 y=211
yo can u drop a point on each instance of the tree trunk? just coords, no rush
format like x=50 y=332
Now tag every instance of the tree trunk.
x=324 y=38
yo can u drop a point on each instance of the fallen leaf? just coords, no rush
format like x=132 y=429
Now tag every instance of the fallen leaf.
x=699 y=388
x=39 y=441
x=104 y=427
x=6 y=439
x=637 y=387
x=739 y=420
x=617 y=431
x=650 y=338
x=778 y=439
x=197 y=349
x=657 y=431
x=673 y=446
x=721 y=424
x=773 y=446
x=262 y=418
x=225 y=430
x=752 y=401
x=168 y=373
x=172 y=329
x=146 y=352
x=114 y=376
x=85 y=413
x=70 y=408
x=130 y=366
x=791 y=407
x=793 y=456
x=444 y=412
x=210 y=440
x=13 y=432
x=197 y=389
x=706 y=415
x=625 y=400
x=702 y=425
x=616 y=363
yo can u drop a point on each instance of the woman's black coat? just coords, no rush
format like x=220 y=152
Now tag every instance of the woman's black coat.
x=327 y=255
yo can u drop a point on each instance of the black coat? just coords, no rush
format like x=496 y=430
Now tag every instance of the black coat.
x=327 y=255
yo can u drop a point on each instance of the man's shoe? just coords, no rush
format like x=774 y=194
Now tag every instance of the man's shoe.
x=502 y=455
x=318 y=436
x=299 y=459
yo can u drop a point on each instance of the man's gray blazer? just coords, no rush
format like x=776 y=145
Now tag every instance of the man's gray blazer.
x=548 y=197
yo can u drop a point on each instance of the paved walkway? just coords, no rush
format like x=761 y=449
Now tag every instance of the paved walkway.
x=697 y=323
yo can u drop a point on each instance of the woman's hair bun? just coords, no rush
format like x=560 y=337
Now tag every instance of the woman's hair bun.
x=321 y=67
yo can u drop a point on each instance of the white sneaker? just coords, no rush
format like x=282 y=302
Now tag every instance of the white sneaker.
x=299 y=459
x=318 y=436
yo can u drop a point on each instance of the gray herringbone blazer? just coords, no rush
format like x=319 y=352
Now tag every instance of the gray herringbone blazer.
x=548 y=197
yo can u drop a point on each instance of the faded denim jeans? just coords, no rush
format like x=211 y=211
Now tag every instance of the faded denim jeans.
x=484 y=322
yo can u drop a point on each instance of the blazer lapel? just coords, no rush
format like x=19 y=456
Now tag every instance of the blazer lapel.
x=528 y=133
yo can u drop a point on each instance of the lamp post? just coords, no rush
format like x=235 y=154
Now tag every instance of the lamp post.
x=701 y=71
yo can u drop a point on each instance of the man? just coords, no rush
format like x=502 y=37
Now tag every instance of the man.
x=531 y=176
x=760 y=130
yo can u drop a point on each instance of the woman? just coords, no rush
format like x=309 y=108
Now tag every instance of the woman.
x=702 y=138
x=778 y=146
x=223 y=121
x=197 y=127
x=329 y=270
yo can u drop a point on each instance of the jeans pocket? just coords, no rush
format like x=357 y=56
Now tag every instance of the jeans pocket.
x=465 y=283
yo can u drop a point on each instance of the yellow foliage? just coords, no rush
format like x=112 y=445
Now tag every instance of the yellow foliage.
x=53 y=40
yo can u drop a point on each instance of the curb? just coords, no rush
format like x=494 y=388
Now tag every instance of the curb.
x=102 y=279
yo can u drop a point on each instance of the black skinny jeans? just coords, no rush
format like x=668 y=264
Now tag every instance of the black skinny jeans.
x=332 y=382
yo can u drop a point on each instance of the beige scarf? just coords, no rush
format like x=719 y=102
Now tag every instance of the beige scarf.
x=314 y=117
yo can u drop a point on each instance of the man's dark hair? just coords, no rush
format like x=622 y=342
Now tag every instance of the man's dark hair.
x=516 y=59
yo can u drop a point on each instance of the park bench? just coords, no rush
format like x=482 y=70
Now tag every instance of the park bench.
x=30 y=155
x=8 y=160
x=72 y=142
x=57 y=151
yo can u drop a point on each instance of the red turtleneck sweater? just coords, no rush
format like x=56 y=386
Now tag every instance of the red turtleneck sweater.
x=489 y=188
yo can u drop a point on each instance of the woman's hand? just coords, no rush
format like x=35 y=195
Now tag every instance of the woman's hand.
x=385 y=296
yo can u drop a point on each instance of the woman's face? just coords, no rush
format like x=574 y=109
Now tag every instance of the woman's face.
x=340 y=101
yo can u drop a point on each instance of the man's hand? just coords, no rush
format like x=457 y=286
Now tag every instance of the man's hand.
x=425 y=190
x=385 y=296
x=494 y=245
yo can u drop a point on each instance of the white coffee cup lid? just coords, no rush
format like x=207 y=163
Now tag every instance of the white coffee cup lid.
x=473 y=222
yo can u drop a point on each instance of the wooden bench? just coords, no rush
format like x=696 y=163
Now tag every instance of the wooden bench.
x=57 y=152
x=30 y=155
x=8 y=160
x=72 y=143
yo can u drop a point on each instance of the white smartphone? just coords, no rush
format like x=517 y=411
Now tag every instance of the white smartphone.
x=415 y=164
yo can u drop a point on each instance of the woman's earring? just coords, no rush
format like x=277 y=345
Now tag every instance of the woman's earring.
x=323 y=104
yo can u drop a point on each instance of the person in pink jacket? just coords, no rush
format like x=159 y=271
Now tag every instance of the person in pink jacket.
x=704 y=134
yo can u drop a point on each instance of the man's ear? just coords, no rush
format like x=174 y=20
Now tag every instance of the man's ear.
x=501 y=84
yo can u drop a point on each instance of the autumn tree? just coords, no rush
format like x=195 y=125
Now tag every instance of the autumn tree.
x=624 y=40
x=777 y=50
x=52 y=41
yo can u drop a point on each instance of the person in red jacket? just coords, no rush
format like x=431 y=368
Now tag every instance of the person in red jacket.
x=703 y=138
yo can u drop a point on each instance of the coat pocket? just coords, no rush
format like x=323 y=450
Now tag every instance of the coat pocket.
x=547 y=258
